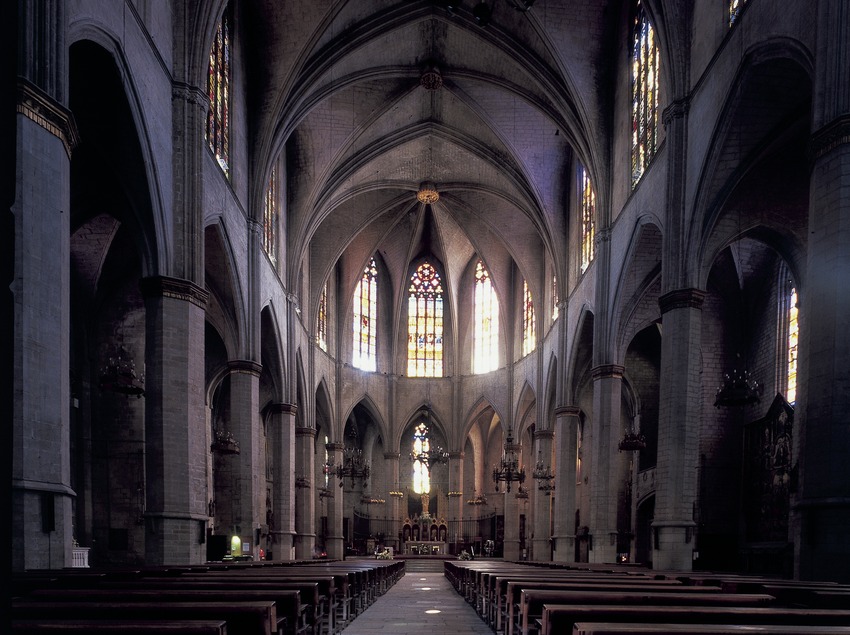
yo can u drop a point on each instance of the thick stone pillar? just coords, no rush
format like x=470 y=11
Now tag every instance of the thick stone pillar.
x=821 y=516
x=249 y=486
x=512 y=512
x=541 y=545
x=281 y=427
x=455 y=492
x=335 y=543
x=176 y=445
x=305 y=496
x=566 y=431
x=41 y=493
x=678 y=430
x=390 y=493
x=606 y=483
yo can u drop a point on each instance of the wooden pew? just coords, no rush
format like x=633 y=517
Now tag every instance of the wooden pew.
x=243 y=618
x=514 y=588
x=603 y=628
x=117 y=627
x=292 y=615
x=559 y=618
x=532 y=601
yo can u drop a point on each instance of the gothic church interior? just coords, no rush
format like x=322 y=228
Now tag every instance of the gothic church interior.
x=557 y=280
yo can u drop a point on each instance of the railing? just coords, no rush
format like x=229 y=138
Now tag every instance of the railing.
x=80 y=557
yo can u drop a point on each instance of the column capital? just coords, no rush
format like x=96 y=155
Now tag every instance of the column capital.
x=607 y=371
x=41 y=108
x=829 y=137
x=335 y=447
x=306 y=432
x=175 y=288
x=456 y=455
x=389 y=456
x=245 y=367
x=676 y=110
x=567 y=411
x=544 y=434
x=281 y=407
x=194 y=95
x=681 y=299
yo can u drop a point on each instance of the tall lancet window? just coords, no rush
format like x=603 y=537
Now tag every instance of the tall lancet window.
x=425 y=323
x=529 y=326
x=421 y=473
x=218 y=91
x=588 y=220
x=485 y=352
x=735 y=8
x=322 y=320
x=365 y=319
x=555 y=299
x=271 y=217
x=645 y=98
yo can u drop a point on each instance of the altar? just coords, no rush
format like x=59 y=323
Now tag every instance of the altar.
x=425 y=548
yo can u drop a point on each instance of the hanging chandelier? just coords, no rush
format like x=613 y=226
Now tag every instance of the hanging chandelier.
x=119 y=375
x=521 y=492
x=224 y=442
x=632 y=442
x=354 y=466
x=426 y=454
x=509 y=469
x=542 y=472
x=737 y=389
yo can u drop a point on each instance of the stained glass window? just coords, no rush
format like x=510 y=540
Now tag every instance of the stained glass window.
x=421 y=473
x=588 y=216
x=645 y=98
x=529 y=327
x=425 y=323
x=270 y=217
x=793 y=337
x=365 y=318
x=735 y=8
x=485 y=352
x=322 y=320
x=218 y=90
x=555 y=299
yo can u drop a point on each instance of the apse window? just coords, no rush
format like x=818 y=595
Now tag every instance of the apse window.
x=485 y=353
x=421 y=448
x=425 y=323
x=645 y=93
x=218 y=91
x=365 y=318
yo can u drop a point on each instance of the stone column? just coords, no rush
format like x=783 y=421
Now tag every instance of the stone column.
x=41 y=511
x=305 y=497
x=391 y=460
x=541 y=545
x=512 y=511
x=249 y=486
x=606 y=463
x=335 y=545
x=678 y=430
x=281 y=425
x=176 y=444
x=821 y=517
x=566 y=430
x=456 y=493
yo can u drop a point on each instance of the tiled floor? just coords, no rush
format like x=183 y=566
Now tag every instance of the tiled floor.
x=423 y=601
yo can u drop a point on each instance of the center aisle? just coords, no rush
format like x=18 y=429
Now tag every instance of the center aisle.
x=423 y=601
